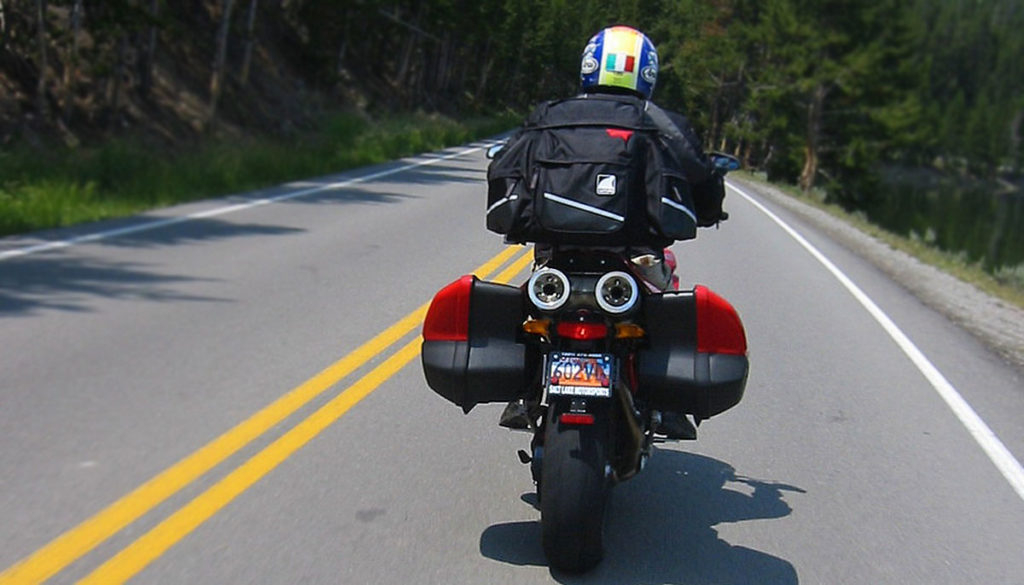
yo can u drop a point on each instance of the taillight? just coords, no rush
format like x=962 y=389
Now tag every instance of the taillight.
x=582 y=331
x=448 y=316
x=719 y=329
x=573 y=418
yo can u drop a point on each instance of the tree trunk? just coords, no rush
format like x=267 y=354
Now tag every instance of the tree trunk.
x=41 y=107
x=71 y=67
x=250 y=40
x=406 y=63
x=1015 y=139
x=407 y=79
x=220 y=59
x=769 y=148
x=441 y=76
x=148 y=53
x=342 y=51
x=814 y=115
x=117 y=81
x=3 y=25
x=714 y=135
x=339 y=66
x=993 y=259
x=485 y=72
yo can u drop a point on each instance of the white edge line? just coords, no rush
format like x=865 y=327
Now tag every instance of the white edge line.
x=1003 y=459
x=156 y=224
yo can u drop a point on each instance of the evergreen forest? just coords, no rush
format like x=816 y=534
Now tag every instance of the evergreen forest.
x=824 y=94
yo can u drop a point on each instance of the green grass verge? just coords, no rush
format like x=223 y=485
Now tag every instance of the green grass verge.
x=62 y=187
x=1006 y=285
x=65 y=187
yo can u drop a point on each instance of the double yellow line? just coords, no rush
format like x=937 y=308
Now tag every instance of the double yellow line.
x=77 y=542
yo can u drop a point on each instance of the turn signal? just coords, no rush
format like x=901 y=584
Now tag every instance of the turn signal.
x=540 y=327
x=448 y=316
x=629 y=331
x=719 y=329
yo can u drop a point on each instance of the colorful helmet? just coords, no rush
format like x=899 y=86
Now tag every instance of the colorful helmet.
x=620 y=57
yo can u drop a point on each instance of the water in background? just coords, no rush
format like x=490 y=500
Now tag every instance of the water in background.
x=982 y=220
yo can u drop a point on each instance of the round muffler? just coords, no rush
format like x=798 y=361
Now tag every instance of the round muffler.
x=617 y=292
x=548 y=289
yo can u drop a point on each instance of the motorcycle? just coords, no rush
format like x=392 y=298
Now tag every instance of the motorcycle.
x=594 y=362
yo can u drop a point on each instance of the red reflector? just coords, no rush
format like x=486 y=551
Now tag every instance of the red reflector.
x=571 y=418
x=582 y=331
x=719 y=329
x=670 y=260
x=448 y=315
x=616 y=133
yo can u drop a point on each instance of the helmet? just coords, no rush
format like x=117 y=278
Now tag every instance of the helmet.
x=620 y=57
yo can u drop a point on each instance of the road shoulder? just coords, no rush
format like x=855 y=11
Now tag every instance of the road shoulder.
x=996 y=323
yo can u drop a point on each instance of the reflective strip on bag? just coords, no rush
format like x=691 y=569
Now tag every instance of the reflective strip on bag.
x=501 y=202
x=680 y=207
x=584 y=207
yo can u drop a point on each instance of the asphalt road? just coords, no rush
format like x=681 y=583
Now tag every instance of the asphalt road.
x=229 y=392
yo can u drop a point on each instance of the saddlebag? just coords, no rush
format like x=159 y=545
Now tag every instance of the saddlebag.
x=696 y=361
x=470 y=350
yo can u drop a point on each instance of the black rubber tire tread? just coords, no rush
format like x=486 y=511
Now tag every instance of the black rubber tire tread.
x=574 y=494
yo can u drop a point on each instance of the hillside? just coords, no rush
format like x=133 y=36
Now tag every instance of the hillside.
x=115 y=68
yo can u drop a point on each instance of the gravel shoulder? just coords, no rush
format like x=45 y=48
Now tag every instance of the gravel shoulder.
x=997 y=324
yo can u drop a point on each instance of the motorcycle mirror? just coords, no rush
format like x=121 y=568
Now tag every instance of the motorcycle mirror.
x=725 y=162
x=493 y=151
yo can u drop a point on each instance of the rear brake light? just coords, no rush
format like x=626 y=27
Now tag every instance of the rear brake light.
x=572 y=418
x=582 y=331
x=719 y=329
x=448 y=316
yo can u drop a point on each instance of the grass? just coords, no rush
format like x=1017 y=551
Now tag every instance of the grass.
x=61 y=187
x=1006 y=284
x=65 y=187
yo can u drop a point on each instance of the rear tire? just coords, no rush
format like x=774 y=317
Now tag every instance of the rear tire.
x=573 y=493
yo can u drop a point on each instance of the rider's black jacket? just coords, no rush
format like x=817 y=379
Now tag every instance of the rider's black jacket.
x=708 y=186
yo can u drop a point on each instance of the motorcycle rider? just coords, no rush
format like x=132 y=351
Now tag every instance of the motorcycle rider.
x=622 y=61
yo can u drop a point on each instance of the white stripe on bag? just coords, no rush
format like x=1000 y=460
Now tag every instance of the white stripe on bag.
x=501 y=202
x=680 y=207
x=584 y=207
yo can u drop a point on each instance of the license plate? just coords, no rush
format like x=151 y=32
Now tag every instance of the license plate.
x=579 y=374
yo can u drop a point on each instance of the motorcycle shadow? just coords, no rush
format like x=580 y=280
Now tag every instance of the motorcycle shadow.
x=660 y=528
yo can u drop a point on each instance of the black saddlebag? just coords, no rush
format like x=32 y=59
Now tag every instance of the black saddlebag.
x=470 y=350
x=696 y=361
